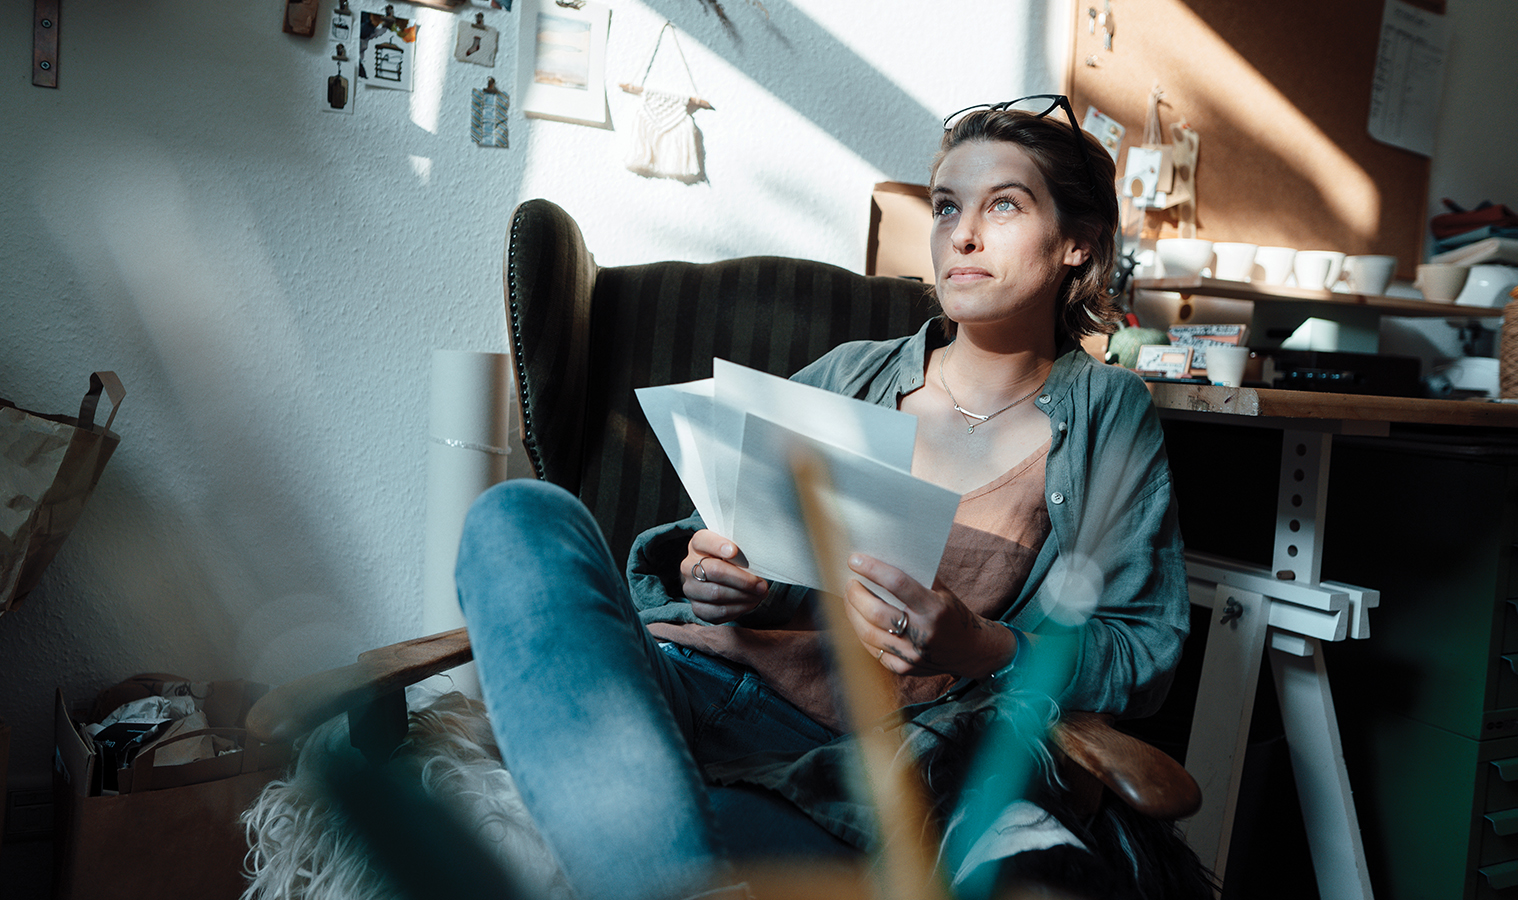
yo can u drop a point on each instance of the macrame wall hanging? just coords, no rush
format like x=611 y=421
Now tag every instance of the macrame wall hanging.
x=664 y=141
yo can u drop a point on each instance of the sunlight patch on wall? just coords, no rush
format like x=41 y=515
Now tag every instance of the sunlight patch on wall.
x=422 y=166
x=432 y=55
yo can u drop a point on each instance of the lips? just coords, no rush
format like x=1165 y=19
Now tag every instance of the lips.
x=966 y=273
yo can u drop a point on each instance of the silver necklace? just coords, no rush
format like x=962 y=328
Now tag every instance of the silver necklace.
x=979 y=419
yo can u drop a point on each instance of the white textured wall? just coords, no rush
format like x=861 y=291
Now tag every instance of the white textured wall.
x=270 y=280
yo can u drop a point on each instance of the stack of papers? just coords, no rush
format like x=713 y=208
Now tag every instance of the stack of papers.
x=1490 y=250
x=731 y=438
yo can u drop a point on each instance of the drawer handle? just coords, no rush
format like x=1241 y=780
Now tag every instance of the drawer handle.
x=1505 y=823
x=1507 y=769
x=1502 y=875
x=1512 y=661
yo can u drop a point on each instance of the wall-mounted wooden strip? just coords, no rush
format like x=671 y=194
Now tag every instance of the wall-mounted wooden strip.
x=45 y=43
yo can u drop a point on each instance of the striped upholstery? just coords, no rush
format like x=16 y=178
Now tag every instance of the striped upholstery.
x=584 y=338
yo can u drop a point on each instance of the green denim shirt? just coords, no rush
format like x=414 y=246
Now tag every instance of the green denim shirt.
x=1107 y=591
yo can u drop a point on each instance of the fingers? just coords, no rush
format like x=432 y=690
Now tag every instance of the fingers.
x=902 y=586
x=713 y=578
x=887 y=632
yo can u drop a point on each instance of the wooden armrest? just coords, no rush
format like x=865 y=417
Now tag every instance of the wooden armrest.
x=292 y=709
x=1145 y=777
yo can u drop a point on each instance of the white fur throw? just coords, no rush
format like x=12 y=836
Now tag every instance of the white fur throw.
x=299 y=851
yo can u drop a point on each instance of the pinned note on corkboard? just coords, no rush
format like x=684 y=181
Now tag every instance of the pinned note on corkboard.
x=1281 y=97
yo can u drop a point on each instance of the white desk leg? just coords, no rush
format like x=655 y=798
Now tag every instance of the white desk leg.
x=1317 y=760
x=1220 y=725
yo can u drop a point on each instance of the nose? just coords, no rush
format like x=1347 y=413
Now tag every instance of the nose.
x=966 y=235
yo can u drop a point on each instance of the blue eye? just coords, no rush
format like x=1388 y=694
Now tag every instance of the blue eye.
x=945 y=208
x=1004 y=205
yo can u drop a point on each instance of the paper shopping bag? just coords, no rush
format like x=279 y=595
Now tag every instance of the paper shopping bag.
x=48 y=467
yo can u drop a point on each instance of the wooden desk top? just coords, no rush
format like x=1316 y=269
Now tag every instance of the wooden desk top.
x=1278 y=404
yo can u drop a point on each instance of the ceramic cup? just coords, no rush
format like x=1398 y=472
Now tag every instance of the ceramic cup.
x=1488 y=285
x=1225 y=364
x=1441 y=283
x=1183 y=257
x=1317 y=269
x=1272 y=265
x=1369 y=274
x=1235 y=261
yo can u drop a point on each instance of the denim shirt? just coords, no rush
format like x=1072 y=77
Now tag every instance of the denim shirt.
x=1107 y=591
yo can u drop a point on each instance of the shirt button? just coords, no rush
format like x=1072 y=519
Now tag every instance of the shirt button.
x=1044 y=399
x=1061 y=426
x=1056 y=498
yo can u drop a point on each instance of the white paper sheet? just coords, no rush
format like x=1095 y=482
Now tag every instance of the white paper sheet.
x=1409 y=78
x=730 y=439
x=876 y=432
x=886 y=513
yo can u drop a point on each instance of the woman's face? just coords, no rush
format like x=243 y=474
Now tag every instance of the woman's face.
x=998 y=254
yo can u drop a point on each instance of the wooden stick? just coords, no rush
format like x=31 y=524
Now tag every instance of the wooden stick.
x=906 y=863
x=694 y=101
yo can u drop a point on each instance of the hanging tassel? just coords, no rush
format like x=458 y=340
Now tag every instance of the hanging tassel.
x=663 y=140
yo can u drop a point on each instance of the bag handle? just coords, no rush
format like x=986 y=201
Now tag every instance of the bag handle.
x=142 y=766
x=112 y=386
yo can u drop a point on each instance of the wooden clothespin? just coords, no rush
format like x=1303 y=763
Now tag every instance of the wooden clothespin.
x=490 y=87
x=479 y=21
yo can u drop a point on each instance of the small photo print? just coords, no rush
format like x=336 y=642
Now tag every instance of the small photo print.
x=385 y=45
x=563 y=58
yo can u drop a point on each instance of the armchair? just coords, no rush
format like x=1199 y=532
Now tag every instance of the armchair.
x=583 y=337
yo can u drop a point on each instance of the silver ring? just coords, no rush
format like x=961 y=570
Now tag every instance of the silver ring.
x=899 y=626
x=697 y=571
x=880 y=655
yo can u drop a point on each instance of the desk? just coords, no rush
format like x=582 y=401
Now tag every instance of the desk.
x=1288 y=611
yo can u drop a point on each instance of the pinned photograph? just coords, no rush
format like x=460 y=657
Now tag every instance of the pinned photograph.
x=561 y=62
x=385 y=45
x=476 y=42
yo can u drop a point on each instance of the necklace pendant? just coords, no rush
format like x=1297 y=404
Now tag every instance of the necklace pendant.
x=970 y=430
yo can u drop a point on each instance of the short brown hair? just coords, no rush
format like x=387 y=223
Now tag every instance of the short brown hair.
x=1085 y=202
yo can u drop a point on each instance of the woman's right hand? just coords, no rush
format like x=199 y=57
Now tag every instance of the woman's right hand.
x=715 y=582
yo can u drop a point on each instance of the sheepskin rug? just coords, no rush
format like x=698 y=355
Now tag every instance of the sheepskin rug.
x=300 y=848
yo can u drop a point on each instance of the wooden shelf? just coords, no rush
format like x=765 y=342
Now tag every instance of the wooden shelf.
x=1242 y=290
x=1273 y=403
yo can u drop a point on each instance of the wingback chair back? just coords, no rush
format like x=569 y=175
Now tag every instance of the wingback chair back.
x=584 y=337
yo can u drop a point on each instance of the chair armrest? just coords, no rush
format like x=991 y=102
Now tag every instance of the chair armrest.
x=1145 y=777
x=293 y=709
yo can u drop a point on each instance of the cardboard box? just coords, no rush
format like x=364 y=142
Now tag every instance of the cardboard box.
x=171 y=830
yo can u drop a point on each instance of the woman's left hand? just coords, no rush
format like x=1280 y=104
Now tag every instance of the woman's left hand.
x=936 y=633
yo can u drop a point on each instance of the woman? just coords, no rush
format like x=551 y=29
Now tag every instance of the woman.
x=654 y=747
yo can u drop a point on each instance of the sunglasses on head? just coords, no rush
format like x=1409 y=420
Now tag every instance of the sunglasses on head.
x=1039 y=106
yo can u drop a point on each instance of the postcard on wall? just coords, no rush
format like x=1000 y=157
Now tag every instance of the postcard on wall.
x=338 y=94
x=386 y=44
x=1409 y=77
x=561 y=62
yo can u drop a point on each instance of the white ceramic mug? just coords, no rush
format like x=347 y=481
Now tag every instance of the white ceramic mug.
x=1441 y=283
x=1183 y=257
x=1272 y=265
x=1369 y=274
x=1488 y=285
x=1235 y=260
x=1317 y=269
x=1225 y=364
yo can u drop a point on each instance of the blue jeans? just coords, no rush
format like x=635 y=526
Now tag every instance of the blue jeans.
x=603 y=729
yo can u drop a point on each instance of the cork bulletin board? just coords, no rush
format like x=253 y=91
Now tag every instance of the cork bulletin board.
x=1280 y=95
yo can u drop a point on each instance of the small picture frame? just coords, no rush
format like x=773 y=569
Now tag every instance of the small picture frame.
x=1166 y=360
x=561 y=62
